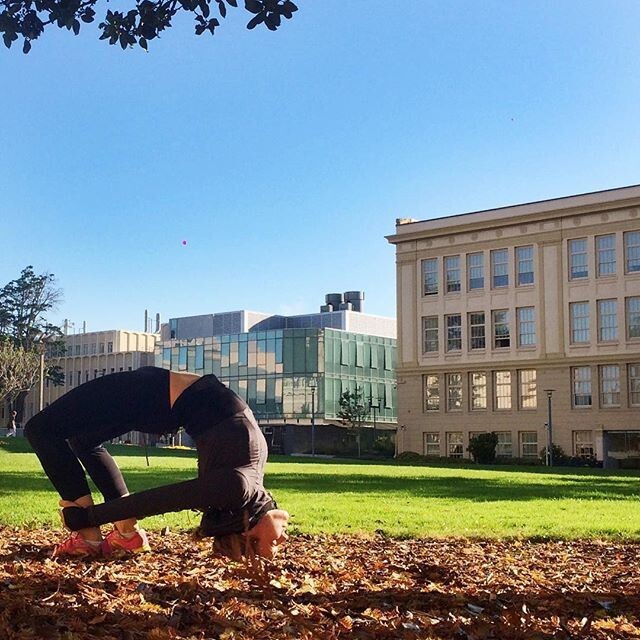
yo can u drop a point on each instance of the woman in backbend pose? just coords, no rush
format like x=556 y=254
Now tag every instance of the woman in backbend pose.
x=68 y=435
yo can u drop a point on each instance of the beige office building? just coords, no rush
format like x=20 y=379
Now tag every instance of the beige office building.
x=92 y=355
x=497 y=307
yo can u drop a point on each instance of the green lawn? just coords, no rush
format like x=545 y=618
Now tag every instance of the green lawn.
x=327 y=496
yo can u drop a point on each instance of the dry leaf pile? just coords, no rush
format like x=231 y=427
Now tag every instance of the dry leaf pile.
x=323 y=587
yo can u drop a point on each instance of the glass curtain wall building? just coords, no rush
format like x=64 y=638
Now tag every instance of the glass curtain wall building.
x=288 y=374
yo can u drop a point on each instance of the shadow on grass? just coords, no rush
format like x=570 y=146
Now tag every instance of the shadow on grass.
x=475 y=489
x=452 y=487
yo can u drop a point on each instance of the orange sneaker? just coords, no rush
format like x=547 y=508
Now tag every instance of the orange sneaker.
x=76 y=545
x=115 y=542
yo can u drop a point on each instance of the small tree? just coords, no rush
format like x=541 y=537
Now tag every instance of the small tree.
x=19 y=370
x=353 y=410
x=24 y=305
x=483 y=447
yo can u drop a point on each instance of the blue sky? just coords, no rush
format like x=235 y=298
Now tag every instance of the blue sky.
x=283 y=159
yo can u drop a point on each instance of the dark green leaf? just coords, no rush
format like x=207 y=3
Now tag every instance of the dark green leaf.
x=254 y=22
x=26 y=47
x=272 y=21
x=254 y=6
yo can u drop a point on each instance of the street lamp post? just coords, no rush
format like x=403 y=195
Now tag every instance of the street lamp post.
x=549 y=393
x=313 y=384
x=41 y=386
x=374 y=408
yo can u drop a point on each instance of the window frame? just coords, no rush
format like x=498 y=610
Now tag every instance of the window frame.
x=502 y=445
x=448 y=387
x=504 y=265
x=615 y=393
x=497 y=385
x=635 y=261
x=453 y=445
x=474 y=387
x=428 y=395
x=521 y=261
x=435 y=443
x=629 y=314
x=573 y=328
x=575 y=382
x=602 y=253
x=473 y=326
x=520 y=323
x=633 y=376
x=577 y=445
x=451 y=332
x=430 y=330
x=494 y=332
x=573 y=263
x=470 y=270
x=425 y=290
x=532 y=446
x=451 y=283
x=602 y=328
x=532 y=389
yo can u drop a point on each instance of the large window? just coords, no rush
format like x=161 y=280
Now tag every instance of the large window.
x=504 y=448
x=581 y=385
x=431 y=393
x=501 y=335
x=526 y=322
x=634 y=384
x=430 y=276
x=524 y=265
x=606 y=255
x=632 y=251
x=454 y=332
x=478 y=390
x=578 y=262
x=432 y=444
x=633 y=317
x=607 y=320
x=454 y=391
x=529 y=444
x=610 y=385
x=475 y=268
x=455 y=444
x=452 y=273
x=430 y=334
x=528 y=389
x=502 y=389
x=579 y=315
x=476 y=330
x=499 y=268
x=583 y=444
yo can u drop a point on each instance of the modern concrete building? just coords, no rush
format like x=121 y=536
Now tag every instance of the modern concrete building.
x=508 y=315
x=292 y=369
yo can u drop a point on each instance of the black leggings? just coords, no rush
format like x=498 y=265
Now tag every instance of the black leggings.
x=231 y=459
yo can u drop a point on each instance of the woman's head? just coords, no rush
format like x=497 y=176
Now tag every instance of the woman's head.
x=261 y=540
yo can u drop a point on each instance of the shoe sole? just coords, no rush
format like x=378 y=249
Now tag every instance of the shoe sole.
x=123 y=551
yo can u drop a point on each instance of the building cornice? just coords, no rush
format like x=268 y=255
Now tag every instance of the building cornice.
x=598 y=201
